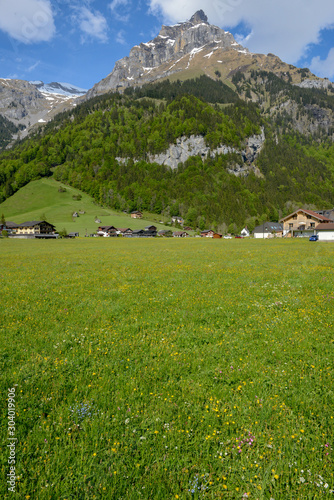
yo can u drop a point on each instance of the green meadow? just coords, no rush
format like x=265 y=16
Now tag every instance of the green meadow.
x=41 y=200
x=164 y=369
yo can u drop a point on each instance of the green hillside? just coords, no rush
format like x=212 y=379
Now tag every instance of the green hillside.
x=103 y=146
x=41 y=199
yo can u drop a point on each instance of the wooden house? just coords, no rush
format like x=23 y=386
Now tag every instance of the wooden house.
x=35 y=228
x=125 y=232
x=209 y=233
x=302 y=223
x=136 y=214
x=180 y=234
x=107 y=231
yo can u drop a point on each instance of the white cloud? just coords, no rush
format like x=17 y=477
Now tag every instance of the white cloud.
x=120 y=37
x=115 y=4
x=324 y=67
x=92 y=24
x=283 y=27
x=33 y=66
x=28 y=21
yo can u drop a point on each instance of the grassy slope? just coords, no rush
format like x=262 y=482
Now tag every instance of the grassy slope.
x=42 y=198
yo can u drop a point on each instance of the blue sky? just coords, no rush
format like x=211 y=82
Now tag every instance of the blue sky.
x=79 y=42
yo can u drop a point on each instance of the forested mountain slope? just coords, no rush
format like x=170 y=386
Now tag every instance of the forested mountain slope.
x=103 y=147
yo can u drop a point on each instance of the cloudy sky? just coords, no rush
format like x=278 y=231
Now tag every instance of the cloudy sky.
x=79 y=41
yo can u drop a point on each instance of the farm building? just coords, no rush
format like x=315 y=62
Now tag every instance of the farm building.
x=136 y=215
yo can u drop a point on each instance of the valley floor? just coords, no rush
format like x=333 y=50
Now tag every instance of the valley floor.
x=167 y=369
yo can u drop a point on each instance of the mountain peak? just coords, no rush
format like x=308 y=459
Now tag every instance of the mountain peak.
x=199 y=17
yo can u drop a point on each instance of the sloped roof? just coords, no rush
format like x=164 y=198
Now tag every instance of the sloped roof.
x=307 y=212
x=325 y=226
x=34 y=223
x=268 y=227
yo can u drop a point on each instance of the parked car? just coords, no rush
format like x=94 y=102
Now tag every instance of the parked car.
x=227 y=237
x=238 y=236
x=314 y=237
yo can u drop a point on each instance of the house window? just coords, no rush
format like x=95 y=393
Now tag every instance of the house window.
x=290 y=226
x=312 y=224
x=294 y=217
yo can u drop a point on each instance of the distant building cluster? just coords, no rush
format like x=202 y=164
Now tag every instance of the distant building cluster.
x=301 y=223
x=29 y=230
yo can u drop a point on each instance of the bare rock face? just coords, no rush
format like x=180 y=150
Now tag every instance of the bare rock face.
x=171 y=45
x=195 y=145
x=25 y=104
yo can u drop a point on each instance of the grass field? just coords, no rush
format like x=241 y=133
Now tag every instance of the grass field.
x=164 y=369
x=41 y=200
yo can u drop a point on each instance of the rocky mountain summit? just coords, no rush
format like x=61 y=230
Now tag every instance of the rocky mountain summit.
x=162 y=55
x=195 y=47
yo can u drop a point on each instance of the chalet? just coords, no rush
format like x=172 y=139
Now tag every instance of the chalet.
x=150 y=228
x=302 y=223
x=180 y=234
x=209 y=233
x=325 y=231
x=125 y=232
x=136 y=215
x=268 y=230
x=35 y=229
x=107 y=231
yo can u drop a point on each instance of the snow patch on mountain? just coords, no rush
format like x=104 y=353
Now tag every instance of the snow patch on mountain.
x=59 y=88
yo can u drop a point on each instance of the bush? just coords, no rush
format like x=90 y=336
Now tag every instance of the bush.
x=62 y=233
